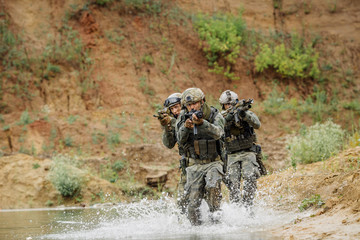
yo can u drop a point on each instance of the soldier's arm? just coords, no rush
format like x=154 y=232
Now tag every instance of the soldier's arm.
x=183 y=133
x=168 y=136
x=216 y=129
x=252 y=119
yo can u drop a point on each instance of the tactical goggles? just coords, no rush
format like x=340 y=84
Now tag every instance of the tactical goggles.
x=171 y=101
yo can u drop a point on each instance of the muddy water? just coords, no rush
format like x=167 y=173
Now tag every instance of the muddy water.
x=142 y=220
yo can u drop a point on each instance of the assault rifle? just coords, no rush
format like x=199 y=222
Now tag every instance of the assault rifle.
x=237 y=107
x=161 y=113
x=198 y=114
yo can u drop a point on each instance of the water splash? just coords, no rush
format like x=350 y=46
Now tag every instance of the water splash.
x=160 y=219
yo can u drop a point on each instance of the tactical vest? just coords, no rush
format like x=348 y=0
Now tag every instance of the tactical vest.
x=202 y=147
x=239 y=138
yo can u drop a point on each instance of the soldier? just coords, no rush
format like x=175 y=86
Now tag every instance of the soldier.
x=173 y=103
x=199 y=128
x=241 y=150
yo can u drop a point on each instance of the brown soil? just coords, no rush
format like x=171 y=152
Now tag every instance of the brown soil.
x=336 y=181
x=128 y=88
x=25 y=184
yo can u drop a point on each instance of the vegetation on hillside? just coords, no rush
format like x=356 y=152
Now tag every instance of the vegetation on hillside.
x=317 y=143
x=283 y=62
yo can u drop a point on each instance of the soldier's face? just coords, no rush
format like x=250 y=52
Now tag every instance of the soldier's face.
x=194 y=106
x=226 y=106
x=175 y=110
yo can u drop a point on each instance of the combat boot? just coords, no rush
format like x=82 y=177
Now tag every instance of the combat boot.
x=194 y=216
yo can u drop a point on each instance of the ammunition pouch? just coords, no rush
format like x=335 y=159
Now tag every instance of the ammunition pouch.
x=203 y=147
x=204 y=150
x=238 y=143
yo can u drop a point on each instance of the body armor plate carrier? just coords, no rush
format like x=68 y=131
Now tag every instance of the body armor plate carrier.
x=239 y=138
x=203 y=147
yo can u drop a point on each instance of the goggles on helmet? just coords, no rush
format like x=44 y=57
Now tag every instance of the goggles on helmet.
x=171 y=101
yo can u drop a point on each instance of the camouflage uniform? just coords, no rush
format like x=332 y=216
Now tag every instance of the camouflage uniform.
x=169 y=140
x=205 y=170
x=169 y=136
x=239 y=142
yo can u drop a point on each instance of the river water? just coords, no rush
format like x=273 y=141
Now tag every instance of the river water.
x=146 y=219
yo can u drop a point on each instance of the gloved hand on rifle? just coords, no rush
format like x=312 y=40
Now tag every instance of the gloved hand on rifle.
x=189 y=124
x=197 y=121
x=165 y=120
x=242 y=113
x=229 y=117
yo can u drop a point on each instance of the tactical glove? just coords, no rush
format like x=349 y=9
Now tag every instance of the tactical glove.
x=242 y=113
x=165 y=120
x=197 y=121
x=229 y=117
x=189 y=124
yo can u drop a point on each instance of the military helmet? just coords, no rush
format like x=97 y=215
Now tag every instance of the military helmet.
x=227 y=97
x=172 y=100
x=192 y=95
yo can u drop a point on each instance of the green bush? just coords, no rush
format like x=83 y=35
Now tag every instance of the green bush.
x=294 y=62
x=67 y=179
x=353 y=105
x=68 y=141
x=118 y=165
x=222 y=35
x=35 y=166
x=148 y=59
x=314 y=200
x=316 y=143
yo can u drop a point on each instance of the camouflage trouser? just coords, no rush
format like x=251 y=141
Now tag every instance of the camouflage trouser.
x=203 y=182
x=182 y=197
x=242 y=164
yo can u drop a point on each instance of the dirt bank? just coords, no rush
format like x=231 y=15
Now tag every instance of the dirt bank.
x=336 y=181
x=25 y=184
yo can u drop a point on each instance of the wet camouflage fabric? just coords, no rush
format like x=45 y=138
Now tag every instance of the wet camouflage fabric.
x=243 y=164
x=203 y=180
x=182 y=197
